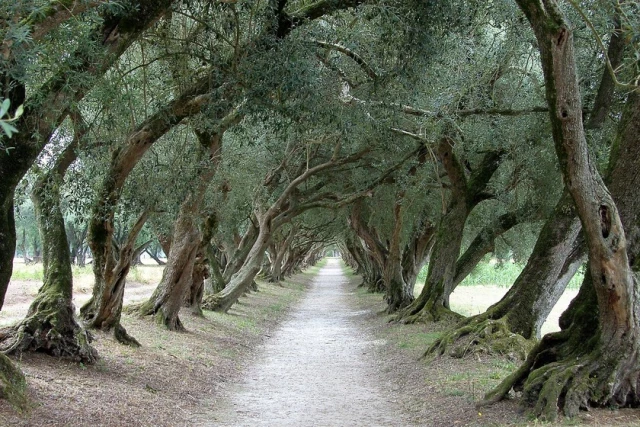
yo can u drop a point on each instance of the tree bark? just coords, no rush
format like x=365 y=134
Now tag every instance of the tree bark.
x=13 y=385
x=399 y=293
x=104 y=309
x=433 y=302
x=511 y=325
x=195 y=293
x=164 y=305
x=279 y=256
x=50 y=325
x=243 y=279
x=560 y=373
x=604 y=96
x=186 y=240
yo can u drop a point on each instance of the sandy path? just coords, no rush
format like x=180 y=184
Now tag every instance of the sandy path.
x=316 y=370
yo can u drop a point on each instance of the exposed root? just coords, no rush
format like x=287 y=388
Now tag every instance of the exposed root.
x=149 y=309
x=171 y=323
x=213 y=303
x=135 y=309
x=486 y=336
x=437 y=313
x=50 y=327
x=577 y=381
x=121 y=335
x=13 y=385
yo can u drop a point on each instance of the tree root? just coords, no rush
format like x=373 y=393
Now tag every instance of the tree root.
x=213 y=303
x=51 y=329
x=577 y=381
x=485 y=336
x=13 y=385
x=437 y=313
x=149 y=309
x=121 y=335
x=172 y=324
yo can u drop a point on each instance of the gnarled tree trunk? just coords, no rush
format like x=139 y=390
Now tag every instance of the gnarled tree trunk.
x=243 y=279
x=104 y=309
x=567 y=371
x=433 y=301
x=50 y=325
x=399 y=293
x=511 y=325
x=167 y=299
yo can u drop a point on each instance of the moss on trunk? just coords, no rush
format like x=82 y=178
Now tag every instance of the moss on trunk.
x=512 y=325
x=595 y=359
x=50 y=325
x=13 y=385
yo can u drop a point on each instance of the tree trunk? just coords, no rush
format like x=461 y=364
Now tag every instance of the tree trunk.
x=604 y=96
x=417 y=251
x=104 y=309
x=240 y=254
x=186 y=240
x=243 y=279
x=280 y=252
x=511 y=325
x=13 y=385
x=374 y=251
x=433 y=302
x=7 y=242
x=562 y=373
x=154 y=256
x=399 y=293
x=167 y=299
x=50 y=325
x=193 y=298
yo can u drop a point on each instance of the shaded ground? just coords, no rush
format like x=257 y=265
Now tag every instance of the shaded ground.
x=233 y=370
x=172 y=376
x=443 y=392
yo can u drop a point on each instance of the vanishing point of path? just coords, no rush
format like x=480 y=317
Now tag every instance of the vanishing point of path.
x=317 y=369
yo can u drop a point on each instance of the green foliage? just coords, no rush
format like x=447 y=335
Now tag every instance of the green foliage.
x=6 y=119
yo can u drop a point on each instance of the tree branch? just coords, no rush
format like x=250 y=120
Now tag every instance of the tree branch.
x=351 y=54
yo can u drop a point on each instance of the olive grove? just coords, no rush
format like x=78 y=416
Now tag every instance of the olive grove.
x=242 y=138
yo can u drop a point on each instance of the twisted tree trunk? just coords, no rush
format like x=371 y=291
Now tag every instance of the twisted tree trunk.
x=164 y=305
x=433 y=302
x=165 y=302
x=243 y=279
x=576 y=367
x=511 y=325
x=104 y=309
x=399 y=293
x=50 y=325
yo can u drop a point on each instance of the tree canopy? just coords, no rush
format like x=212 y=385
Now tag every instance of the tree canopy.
x=242 y=138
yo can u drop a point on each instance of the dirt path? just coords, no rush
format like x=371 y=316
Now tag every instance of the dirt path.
x=318 y=369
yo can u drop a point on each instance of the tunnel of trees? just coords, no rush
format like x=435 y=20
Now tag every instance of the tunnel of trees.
x=241 y=138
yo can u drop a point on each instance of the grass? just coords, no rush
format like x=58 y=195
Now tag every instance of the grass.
x=419 y=340
x=491 y=273
x=473 y=383
x=27 y=272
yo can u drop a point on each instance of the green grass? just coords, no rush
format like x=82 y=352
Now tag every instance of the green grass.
x=420 y=340
x=488 y=273
x=27 y=272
